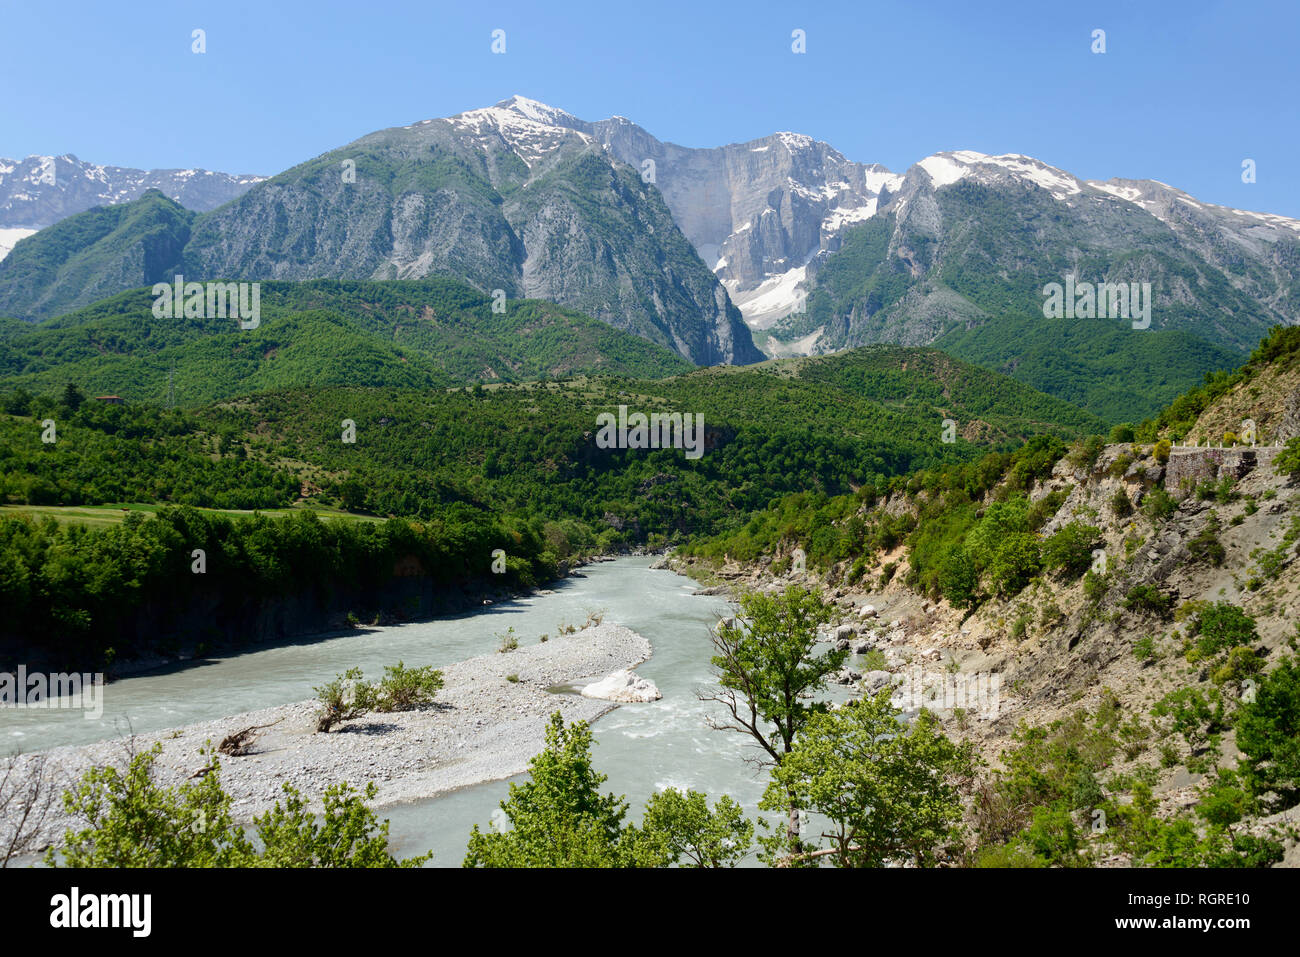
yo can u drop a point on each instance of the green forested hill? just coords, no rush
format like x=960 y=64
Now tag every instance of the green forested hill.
x=471 y=468
x=1098 y=365
x=419 y=334
x=829 y=424
x=94 y=254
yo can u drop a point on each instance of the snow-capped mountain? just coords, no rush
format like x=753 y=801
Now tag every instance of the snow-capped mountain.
x=506 y=198
x=534 y=200
x=756 y=212
x=41 y=190
x=1012 y=219
x=766 y=214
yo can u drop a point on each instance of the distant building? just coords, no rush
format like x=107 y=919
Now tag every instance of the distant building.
x=110 y=399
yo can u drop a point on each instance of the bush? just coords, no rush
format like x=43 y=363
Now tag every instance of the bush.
x=135 y=822
x=1219 y=627
x=1148 y=599
x=1268 y=734
x=1194 y=714
x=1288 y=460
x=1069 y=551
x=1095 y=586
x=403 y=689
x=1158 y=505
x=1085 y=452
x=1242 y=663
x=344 y=698
x=1205 y=546
x=1120 y=504
x=1161 y=451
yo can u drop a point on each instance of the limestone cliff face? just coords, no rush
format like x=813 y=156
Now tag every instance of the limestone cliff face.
x=759 y=213
x=507 y=198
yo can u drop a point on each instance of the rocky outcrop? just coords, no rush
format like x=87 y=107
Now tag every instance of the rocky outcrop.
x=624 y=686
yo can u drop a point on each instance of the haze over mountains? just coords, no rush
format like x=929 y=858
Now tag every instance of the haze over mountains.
x=819 y=252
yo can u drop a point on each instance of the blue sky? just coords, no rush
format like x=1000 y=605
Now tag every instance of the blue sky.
x=1184 y=92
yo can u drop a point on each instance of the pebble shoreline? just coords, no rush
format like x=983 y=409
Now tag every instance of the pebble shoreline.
x=482 y=727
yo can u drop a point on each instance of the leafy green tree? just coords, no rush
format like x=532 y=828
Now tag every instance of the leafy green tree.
x=959 y=579
x=72 y=397
x=349 y=835
x=888 y=790
x=1069 y=551
x=1015 y=562
x=1268 y=734
x=691 y=831
x=1220 y=627
x=558 y=817
x=768 y=672
x=132 y=821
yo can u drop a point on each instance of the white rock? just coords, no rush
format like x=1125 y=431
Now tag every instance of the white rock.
x=624 y=685
x=873 y=681
x=844 y=631
x=867 y=611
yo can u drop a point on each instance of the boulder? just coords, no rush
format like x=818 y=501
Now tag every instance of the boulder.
x=874 y=681
x=867 y=611
x=624 y=685
x=844 y=631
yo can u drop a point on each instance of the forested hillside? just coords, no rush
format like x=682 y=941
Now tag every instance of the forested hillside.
x=519 y=456
x=424 y=334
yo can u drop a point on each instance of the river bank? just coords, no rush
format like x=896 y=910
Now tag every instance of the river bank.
x=487 y=723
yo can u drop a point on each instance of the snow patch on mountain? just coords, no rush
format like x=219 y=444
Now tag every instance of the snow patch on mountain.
x=943 y=170
x=840 y=217
x=531 y=129
x=947 y=168
x=795 y=141
x=771 y=301
x=9 y=237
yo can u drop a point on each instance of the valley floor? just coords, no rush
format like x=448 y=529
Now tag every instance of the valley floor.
x=487 y=723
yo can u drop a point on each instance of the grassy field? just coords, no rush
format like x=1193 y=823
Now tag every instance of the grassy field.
x=99 y=515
